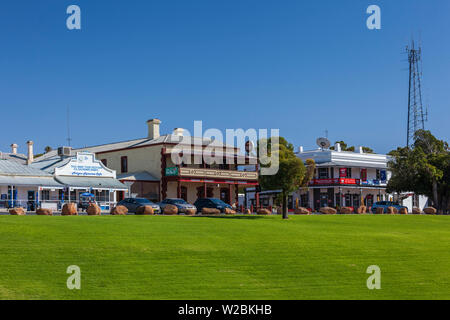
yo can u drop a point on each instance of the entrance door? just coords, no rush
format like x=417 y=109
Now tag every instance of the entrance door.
x=225 y=195
x=31 y=201
x=323 y=200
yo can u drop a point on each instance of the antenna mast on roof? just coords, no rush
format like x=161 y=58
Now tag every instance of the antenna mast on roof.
x=69 y=140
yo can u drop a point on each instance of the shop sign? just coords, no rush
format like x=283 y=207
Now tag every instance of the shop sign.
x=85 y=165
x=172 y=171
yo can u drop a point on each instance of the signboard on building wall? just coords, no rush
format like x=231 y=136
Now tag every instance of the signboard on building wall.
x=383 y=175
x=172 y=171
x=342 y=172
x=85 y=165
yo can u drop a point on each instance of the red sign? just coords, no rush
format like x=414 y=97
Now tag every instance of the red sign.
x=348 y=181
x=345 y=181
x=342 y=172
x=364 y=174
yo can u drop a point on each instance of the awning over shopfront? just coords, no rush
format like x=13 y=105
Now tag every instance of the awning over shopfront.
x=17 y=181
x=92 y=182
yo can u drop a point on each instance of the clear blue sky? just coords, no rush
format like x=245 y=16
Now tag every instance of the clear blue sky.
x=301 y=66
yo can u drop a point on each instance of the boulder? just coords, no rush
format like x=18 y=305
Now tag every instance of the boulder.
x=17 y=212
x=361 y=210
x=170 y=210
x=44 y=212
x=416 y=210
x=403 y=211
x=229 y=211
x=430 y=210
x=190 y=212
x=301 y=210
x=210 y=211
x=263 y=211
x=69 y=209
x=380 y=210
x=346 y=210
x=119 y=210
x=247 y=211
x=327 y=210
x=144 y=210
x=392 y=210
x=94 y=210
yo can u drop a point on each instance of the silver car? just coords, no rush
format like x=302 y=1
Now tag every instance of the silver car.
x=181 y=204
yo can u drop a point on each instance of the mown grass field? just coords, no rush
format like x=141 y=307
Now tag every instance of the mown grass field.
x=156 y=257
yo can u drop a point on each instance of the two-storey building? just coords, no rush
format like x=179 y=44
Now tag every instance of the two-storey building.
x=146 y=166
x=345 y=178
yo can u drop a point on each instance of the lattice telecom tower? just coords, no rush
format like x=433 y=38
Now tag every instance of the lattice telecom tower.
x=416 y=115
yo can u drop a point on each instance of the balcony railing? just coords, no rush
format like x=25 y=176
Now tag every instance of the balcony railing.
x=218 y=174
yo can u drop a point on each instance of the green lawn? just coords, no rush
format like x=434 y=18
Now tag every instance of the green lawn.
x=156 y=257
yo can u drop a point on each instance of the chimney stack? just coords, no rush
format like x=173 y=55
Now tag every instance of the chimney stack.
x=300 y=149
x=360 y=149
x=337 y=147
x=30 y=152
x=14 y=148
x=153 y=128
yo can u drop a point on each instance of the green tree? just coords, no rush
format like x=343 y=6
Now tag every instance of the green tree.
x=345 y=147
x=423 y=169
x=48 y=149
x=291 y=174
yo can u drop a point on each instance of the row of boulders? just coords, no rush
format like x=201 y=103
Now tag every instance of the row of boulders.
x=69 y=209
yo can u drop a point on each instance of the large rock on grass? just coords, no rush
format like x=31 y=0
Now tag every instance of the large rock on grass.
x=346 y=210
x=430 y=210
x=69 y=209
x=361 y=210
x=392 y=210
x=44 y=212
x=145 y=210
x=170 y=210
x=207 y=211
x=379 y=210
x=94 y=210
x=263 y=212
x=301 y=210
x=403 y=211
x=416 y=210
x=119 y=211
x=190 y=212
x=229 y=211
x=17 y=211
x=327 y=210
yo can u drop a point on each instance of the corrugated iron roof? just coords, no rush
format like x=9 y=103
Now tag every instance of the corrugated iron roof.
x=9 y=167
x=7 y=180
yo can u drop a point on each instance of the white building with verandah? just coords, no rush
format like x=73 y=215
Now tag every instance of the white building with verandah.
x=341 y=178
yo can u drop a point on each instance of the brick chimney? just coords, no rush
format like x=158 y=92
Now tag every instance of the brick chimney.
x=153 y=128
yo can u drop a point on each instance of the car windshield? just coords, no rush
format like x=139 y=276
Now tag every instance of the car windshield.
x=142 y=200
x=177 y=201
x=218 y=201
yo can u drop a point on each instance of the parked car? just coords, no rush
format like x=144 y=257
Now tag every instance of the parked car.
x=181 y=204
x=385 y=205
x=133 y=203
x=211 y=203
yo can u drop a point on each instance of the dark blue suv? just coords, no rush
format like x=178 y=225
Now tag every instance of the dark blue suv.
x=211 y=203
